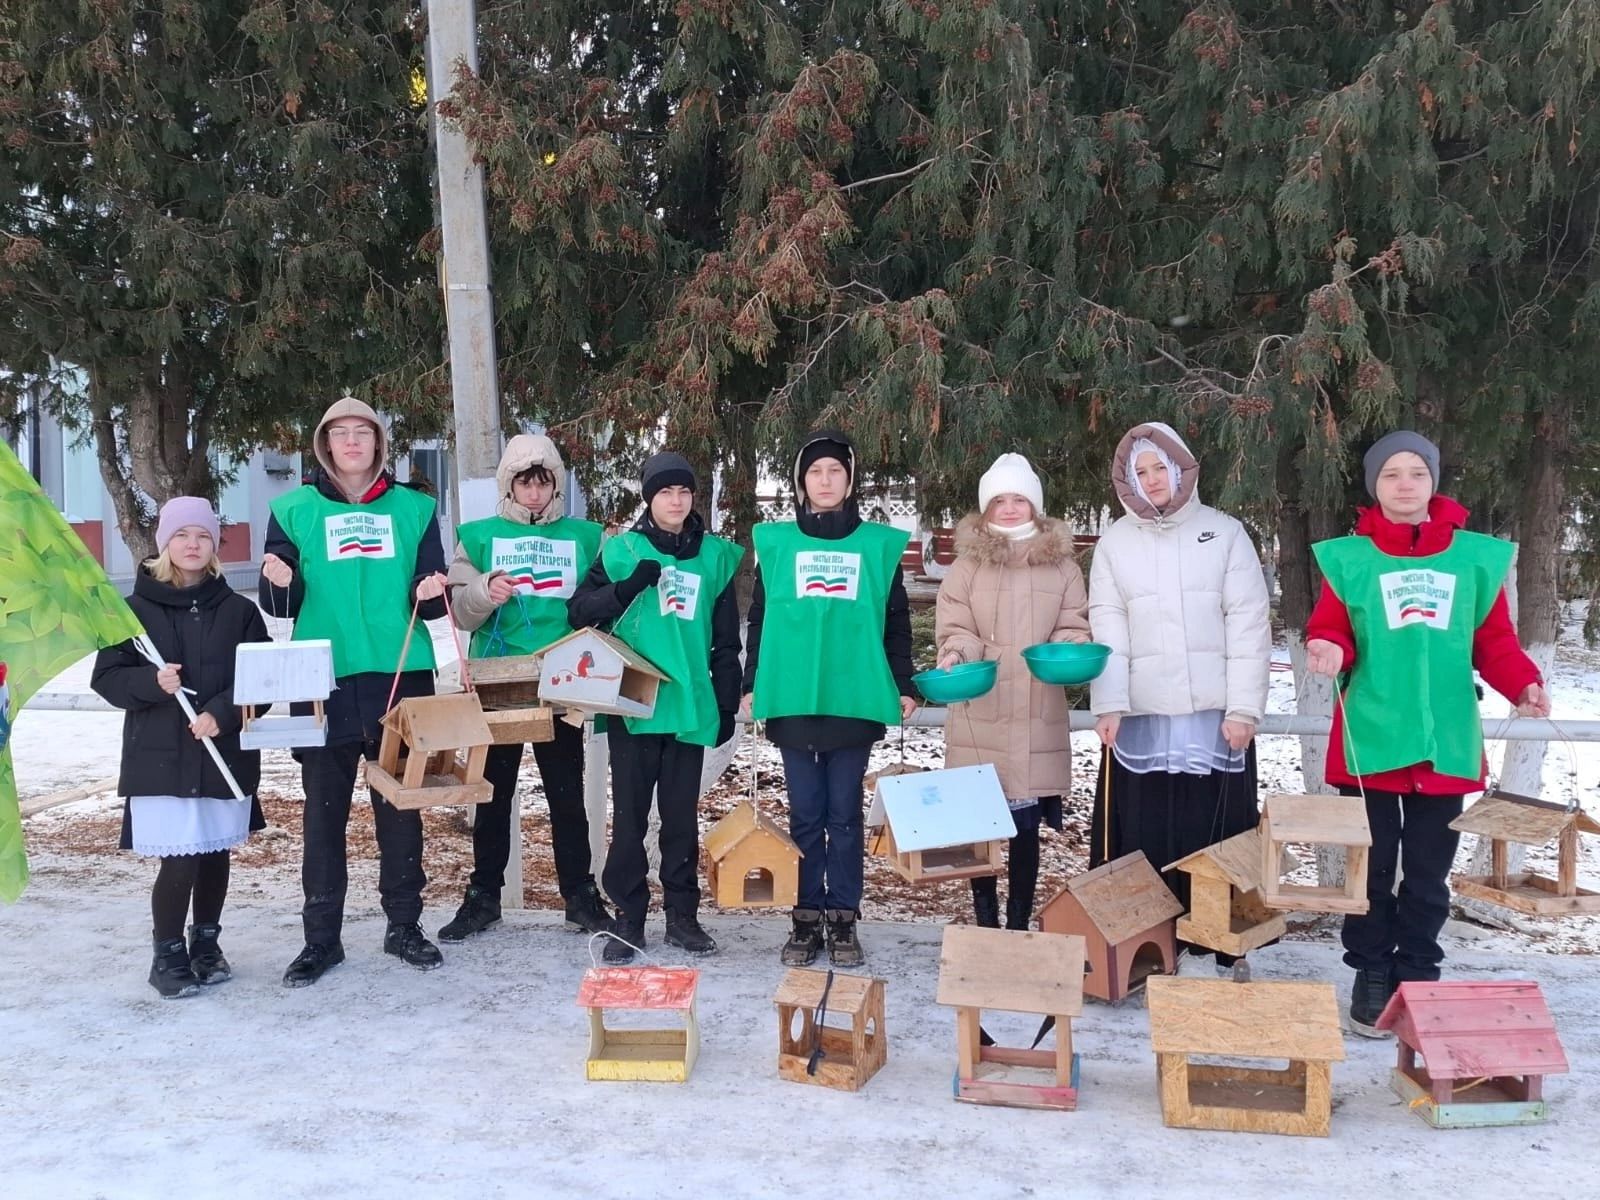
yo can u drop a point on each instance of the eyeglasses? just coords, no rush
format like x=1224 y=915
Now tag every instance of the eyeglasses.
x=361 y=433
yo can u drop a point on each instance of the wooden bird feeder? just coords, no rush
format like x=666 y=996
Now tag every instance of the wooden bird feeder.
x=592 y=672
x=812 y=1051
x=508 y=690
x=1124 y=913
x=1505 y=817
x=433 y=753
x=1297 y=1022
x=1315 y=821
x=1226 y=911
x=1014 y=971
x=938 y=825
x=647 y=1055
x=283 y=673
x=1485 y=1048
x=752 y=861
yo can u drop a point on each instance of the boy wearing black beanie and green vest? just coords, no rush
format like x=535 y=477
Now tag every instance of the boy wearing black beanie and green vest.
x=836 y=672
x=349 y=555
x=1411 y=605
x=666 y=589
x=511 y=579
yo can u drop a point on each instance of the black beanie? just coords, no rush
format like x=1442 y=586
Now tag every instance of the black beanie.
x=665 y=470
x=821 y=445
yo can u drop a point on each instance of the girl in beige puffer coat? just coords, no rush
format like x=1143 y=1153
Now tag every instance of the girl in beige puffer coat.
x=1015 y=583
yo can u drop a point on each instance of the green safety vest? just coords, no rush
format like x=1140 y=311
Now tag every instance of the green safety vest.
x=358 y=561
x=822 y=636
x=546 y=562
x=670 y=625
x=1410 y=697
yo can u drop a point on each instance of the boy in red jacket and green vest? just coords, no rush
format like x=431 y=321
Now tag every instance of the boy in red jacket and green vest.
x=512 y=577
x=349 y=555
x=1410 y=606
x=834 y=675
x=666 y=589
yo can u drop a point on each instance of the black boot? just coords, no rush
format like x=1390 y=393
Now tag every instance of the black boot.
x=586 y=912
x=205 y=956
x=170 y=973
x=479 y=911
x=310 y=964
x=844 y=947
x=1019 y=911
x=406 y=941
x=986 y=903
x=684 y=932
x=1369 y=996
x=805 y=942
x=618 y=952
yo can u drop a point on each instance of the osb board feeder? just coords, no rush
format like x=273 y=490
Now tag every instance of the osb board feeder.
x=281 y=674
x=1226 y=912
x=1505 y=817
x=1211 y=1018
x=1125 y=915
x=508 y=689
x=433 y=753
x=751 y=861
x=1013 y=971
x=940 y=825
x=662 y=1055
x=1335 y=821
x=1485 y=1049
x=592 y=672
x=812 y=1051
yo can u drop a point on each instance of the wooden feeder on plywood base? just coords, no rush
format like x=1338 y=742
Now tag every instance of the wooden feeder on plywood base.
x=1226 y=912
x=1317 y=821
x=282 y=673
x=1125 y=914
x=752 y=862
x=1504 y=817
x=1297 y=1022
x=420 y=763
x=1014 y=971
x=938 y=825
x=823 y=1054
x=647 y=1055
x=593 y=672
x=508 y=690
x=1485 y=1047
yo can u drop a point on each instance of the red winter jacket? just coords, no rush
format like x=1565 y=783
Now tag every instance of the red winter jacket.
x=1496 y=654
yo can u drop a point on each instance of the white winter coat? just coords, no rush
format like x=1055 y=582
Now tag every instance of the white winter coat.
x=1181 y=600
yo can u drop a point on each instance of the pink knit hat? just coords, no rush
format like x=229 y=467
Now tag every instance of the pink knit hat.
x=183 y=511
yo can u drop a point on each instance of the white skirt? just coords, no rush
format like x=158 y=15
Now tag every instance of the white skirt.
x=169 y=825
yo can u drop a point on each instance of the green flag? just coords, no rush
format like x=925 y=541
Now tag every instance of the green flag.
x=56 y=605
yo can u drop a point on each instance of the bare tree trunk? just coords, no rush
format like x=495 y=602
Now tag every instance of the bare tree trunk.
x=739 y=509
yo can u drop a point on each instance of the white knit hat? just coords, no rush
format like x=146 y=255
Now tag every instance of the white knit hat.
x=1011 y=474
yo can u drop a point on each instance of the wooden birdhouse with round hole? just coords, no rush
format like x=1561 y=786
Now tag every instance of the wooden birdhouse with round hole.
x=1124 y=914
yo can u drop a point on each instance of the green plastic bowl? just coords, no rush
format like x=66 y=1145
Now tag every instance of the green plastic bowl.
x=1066 y=663
x=964 y=681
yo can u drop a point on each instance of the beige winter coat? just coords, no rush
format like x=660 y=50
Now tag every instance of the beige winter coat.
x=999 y=597
x=1181 y=600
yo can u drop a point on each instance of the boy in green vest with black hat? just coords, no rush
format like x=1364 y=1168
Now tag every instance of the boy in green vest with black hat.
x=1411 y=604
x=350 y=555
x=834 y=675
x=512 y=577
x=666 y=589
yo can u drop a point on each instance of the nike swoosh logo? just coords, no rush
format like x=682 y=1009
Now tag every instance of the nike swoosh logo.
x=1207 y=536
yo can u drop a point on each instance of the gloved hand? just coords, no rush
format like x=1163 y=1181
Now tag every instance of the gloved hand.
x=645 y=575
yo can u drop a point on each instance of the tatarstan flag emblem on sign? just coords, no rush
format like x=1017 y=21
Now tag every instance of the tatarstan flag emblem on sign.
x=823 y=585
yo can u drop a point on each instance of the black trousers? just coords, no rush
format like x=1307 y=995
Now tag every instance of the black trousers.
x=642 y=763
x=561 y=771
x=328 y=775
x=1400 y=932
x=1022 y=870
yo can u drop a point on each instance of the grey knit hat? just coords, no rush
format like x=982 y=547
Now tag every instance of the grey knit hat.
x=1399 y=442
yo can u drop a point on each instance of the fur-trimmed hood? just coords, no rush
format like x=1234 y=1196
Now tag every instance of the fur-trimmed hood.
x=1050 y=546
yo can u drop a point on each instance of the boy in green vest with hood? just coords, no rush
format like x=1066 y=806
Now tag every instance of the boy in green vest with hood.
x=666 y=589
x=1411 y=604
x=349 y=555
x=512 y=577
x=834 y=675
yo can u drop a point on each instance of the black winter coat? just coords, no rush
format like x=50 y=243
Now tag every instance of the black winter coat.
x=198 y=628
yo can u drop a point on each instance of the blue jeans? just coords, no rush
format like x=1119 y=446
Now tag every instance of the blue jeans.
x=826 y=822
